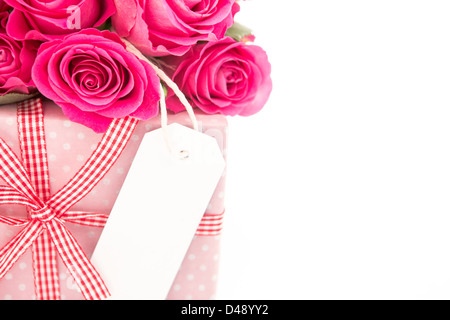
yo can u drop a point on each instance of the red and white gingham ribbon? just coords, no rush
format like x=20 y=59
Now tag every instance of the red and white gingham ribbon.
x=44 y=230
x=211 y=225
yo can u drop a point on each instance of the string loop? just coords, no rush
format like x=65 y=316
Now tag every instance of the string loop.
x=172 y=85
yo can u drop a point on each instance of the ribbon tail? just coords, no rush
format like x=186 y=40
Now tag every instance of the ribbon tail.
x=14 y=249
x=13 y=222
x=80 y=267
x=45 y=268
x=9 y=195
x=89 y=219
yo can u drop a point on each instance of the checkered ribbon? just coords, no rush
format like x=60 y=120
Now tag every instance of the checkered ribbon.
x=211 y=225
x=44 y=230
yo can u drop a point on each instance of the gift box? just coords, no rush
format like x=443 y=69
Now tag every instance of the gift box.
x=69 y=145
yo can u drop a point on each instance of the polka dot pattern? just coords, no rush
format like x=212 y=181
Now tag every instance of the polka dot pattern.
x=198 y=274
x=69 y=145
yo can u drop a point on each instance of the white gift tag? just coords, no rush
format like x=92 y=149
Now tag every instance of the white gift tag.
x=157 y=213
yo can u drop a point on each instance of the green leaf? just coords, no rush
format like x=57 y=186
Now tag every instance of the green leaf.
x=238 y=31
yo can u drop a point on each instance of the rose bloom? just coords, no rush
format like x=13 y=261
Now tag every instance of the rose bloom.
x=226 y=77
x=171 y=27
x=45 y=20
x=16 y=59
x=94 y=79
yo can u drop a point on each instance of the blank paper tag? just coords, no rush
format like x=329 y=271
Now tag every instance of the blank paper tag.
x=157 y=213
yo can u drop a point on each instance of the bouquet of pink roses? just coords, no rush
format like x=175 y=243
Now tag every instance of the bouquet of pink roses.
x=76 y=53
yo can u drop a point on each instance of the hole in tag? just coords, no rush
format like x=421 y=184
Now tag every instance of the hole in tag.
x=183 y=154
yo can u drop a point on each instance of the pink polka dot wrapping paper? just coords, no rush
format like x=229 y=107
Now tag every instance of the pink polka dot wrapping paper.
x=69 y=145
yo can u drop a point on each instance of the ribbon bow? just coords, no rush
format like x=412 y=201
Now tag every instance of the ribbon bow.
x=44 y=230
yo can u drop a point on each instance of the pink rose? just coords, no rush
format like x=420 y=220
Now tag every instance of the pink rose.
x=227 y=77
x=16 y=59
x=171 y=27
x=94 y=79
x=46 y=20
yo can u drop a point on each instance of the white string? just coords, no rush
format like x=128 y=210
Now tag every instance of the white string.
x=172 y=85
x=162 y=103
x=180 y=154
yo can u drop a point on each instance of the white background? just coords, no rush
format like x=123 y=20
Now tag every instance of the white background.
x=340 y=187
